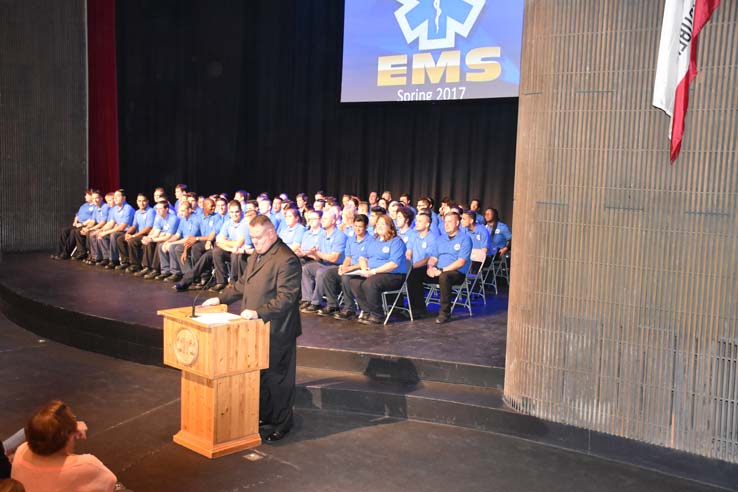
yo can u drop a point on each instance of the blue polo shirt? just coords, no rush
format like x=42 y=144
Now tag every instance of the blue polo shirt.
x=335 y=243
x=85 y=212
x=356 y=249
x=276 y=219
x=144 y=218
x=168 y=225
x=198 y=211
x=211 y=223
x=480 y=237
x=189 y=226
x=101 y=213
x=407 y=236
x=310 y=239
x=123 y=214
x=348 y=231
x=498 y=238
x=423 y=247
x=379 y=252
x=290 y=236
x=448 y=250
x=233 y=231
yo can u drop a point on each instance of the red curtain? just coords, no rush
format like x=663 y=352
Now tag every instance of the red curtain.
x=103 y=96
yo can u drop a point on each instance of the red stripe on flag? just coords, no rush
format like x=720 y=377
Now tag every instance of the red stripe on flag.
x=703 y=9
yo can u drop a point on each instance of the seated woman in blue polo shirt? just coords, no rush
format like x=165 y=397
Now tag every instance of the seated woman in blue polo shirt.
x=382 y=269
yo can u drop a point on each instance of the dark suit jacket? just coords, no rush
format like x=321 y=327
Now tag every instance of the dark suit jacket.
x=270 y=285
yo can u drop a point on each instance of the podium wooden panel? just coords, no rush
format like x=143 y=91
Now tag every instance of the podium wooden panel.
x=220 y=363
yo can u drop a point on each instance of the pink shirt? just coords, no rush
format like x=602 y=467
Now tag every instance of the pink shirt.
x=77 y=473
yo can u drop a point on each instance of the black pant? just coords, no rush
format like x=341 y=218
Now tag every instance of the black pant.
x=331 y=286
x=415 y=289
x=67 y=241
x=81 y=243
x=151 y=256
x=202 y=267
x=368 y=291
x=445 y=282
x=237 y=262
x=277 y=391
x=131 y=251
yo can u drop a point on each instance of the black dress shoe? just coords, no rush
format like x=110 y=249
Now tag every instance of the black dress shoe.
x=173 y=278
x=142 y=272
x=122 y=266
x=162 y=276
x=276 y=436
x=304 y=304
x=327 y=311
x=181 y=287
x=442 y=318
x=151 y=275
x=310 y=308
x=217 y=287
x=111 y=266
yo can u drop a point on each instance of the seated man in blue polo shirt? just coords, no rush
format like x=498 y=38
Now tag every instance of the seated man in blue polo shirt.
x=190 y=251
x=189 y=227
x=129 y=244
x=165 y=224
x=101 y=214
x=420 y=248
x=310 y=241
x=231 y=245
x=335 y=279
x=83 y=218
x=479 y=237
x=121 y=219
x=329 y=252
x=449 y=264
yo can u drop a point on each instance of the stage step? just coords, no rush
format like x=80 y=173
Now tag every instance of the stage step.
x=483 y=409
x=400 y=369
x=453 y=404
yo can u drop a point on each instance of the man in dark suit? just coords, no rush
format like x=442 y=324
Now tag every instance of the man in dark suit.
x=269 y=289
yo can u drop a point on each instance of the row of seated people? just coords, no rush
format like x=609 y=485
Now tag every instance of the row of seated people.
x=185 y=247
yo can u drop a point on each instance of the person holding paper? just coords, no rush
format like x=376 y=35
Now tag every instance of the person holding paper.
x=269 y=289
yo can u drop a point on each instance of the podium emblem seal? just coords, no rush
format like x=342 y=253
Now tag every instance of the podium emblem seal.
x=185 y=347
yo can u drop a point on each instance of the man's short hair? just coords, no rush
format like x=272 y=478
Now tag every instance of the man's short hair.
x=262 y=220
x=181 y=187
x=163 y=203
x=362 y=219
x=234 y=203
x=376 y=209
x=471 y=214
x=406 y=212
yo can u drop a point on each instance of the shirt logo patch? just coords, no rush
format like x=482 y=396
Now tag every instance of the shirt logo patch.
x=424 y=245
x=457 y=247
x=386 y=249
x=497 y=231
x=479 y=237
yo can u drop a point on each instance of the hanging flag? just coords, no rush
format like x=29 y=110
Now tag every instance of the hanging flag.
x=677 y=63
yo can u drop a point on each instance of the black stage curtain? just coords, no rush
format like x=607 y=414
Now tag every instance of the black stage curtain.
x=232 y=94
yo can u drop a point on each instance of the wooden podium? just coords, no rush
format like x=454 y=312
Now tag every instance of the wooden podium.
x=220 y=356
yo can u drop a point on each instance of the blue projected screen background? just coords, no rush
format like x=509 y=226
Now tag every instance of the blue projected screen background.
x=409 y=50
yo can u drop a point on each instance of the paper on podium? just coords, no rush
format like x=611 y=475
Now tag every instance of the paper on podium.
x=216 y=318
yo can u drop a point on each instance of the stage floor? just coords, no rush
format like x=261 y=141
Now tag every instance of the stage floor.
x=109 y=295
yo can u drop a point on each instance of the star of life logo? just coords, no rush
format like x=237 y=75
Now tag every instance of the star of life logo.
x=436 y=23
